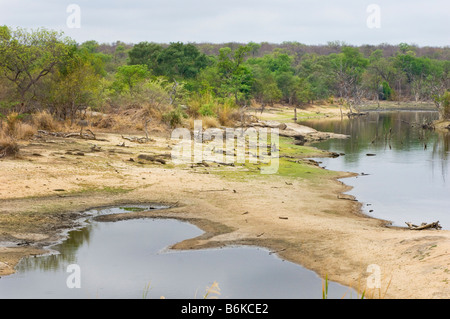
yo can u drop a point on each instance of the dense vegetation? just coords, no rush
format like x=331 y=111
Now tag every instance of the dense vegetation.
x=44 y=71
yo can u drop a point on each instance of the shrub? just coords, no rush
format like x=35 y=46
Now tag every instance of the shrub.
x=8 y=147
x=174 y=117
x=446 y=105
x=387 y=91
x=206 y=110
x=207 y=122
x=15 y=128
x=24 y=131
x=44 y=121
x=12 y=121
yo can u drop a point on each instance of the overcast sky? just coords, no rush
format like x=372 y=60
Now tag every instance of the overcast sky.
x=307 y=21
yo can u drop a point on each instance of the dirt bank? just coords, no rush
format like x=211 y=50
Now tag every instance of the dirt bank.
x=302 y=216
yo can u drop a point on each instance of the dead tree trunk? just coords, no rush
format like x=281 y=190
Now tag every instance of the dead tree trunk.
x=424 y=226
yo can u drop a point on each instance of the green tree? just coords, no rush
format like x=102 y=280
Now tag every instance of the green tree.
x=416 y=71
x=437 y=84
x=237 y=78
x=73 y=86
x=91 y=46
x=264 y=87
x=316 y=70
x=145 y=53
x=445 y=106
x=254 y=48
x=348 y=67
x=27 y=57
x=128 y=77
x=180 y=60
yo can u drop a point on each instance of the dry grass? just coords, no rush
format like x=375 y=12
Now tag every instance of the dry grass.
x=8 y=147
x=207 y=122
x=24 y=131
x=15 y=129
x=44 y=121
x=228 y=116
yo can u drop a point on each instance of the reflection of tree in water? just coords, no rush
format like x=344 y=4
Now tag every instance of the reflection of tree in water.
x=76 y=238
x=378 y=131
x=67 y=249
x=440 y=153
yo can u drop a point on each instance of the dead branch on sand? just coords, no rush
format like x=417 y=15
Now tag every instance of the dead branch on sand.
x=424 y=226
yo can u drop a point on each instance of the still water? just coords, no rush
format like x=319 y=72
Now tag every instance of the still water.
x=404 y=169
x=132 y=259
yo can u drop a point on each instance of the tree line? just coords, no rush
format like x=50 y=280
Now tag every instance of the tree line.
x=44 y=70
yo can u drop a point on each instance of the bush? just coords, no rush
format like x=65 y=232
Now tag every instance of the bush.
x=44 y=121
x=24 y=131
x=207 y=122
x=446 y=105
x=8 y=147
x=15 y=128
x=387 y=91
x=174 y=117
x=12 y=121
x=206 y=110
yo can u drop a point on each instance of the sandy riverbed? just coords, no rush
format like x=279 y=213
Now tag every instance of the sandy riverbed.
x=305 y=220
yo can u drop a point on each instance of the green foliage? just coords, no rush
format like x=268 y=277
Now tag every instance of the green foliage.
x=316 y=70
x=44 y=70
x=446 y=105
x=180 y=60
x=347 y=72
x=174 y=117
x=73 y=86
x=90 y=46
x=206 y=110
x=26 y=57
x=145 y=53
x=236 y=77
x=129 y=76
x=386 y=91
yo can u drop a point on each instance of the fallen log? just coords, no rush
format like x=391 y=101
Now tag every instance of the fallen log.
x=151 y=158
x=140 y=140
x=435 y=225
x=85 y=136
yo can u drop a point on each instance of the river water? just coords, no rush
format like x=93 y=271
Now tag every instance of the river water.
x=131 y=259
x=404 y=169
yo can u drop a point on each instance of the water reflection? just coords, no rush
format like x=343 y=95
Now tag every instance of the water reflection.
x=118 y=260
x=406 y=178
x=56 y=261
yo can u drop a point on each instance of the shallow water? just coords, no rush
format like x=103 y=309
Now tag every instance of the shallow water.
x=406 y=176
x=131 y=259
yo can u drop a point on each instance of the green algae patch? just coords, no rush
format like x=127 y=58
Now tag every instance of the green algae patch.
x=288 y=148
x=301 y=169
x=292 y=162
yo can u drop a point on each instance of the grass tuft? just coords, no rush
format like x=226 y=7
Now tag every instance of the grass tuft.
x=212 y=290
x=8 y=147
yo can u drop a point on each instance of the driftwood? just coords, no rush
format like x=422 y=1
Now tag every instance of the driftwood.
x=95 y=148
x=85 y=136
x=140 y=140
x=424 y=226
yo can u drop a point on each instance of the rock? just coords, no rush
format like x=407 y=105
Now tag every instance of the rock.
x=151 y=158
x=271 y=124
